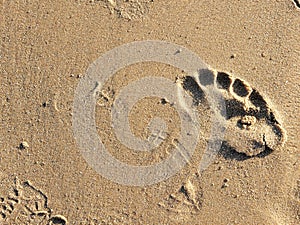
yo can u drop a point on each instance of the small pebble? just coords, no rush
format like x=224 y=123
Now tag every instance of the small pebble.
x=24 y=145
x=45 y=104
x=225 y=185
x=233 y=56
x=178 y=51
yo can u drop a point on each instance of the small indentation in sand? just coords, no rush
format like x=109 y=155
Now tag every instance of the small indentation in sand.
x=188 y=198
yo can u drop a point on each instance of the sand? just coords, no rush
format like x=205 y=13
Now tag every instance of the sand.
x=252 y=49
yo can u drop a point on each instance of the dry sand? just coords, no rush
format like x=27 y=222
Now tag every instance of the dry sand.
x=46 y=48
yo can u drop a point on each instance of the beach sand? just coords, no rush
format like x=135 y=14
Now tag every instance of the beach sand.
x=46 y=49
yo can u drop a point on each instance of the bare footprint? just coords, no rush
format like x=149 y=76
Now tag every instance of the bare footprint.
x=253 y=129
x=27 y=205
x=253 y=126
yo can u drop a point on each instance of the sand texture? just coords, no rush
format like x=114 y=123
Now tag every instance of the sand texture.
x=248 y=174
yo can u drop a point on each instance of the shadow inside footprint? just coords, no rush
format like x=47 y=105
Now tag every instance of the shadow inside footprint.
x=206 y=77
x=258 y=101
x=234 y=108
x=240 y=88
x=229 y=152
x=190 y=85
x=223 y=80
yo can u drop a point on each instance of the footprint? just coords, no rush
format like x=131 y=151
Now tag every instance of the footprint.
x=27 y=205
x=253 y=127
x=188 y=198
x=128 y=10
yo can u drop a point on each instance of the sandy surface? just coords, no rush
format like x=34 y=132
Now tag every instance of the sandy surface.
x=46 y=49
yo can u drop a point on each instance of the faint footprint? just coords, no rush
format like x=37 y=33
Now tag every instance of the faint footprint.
x=130 y=10
x=125 y=9
x=27 y=205
x=188 y=198
x=253 y=126
x=7 y=206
